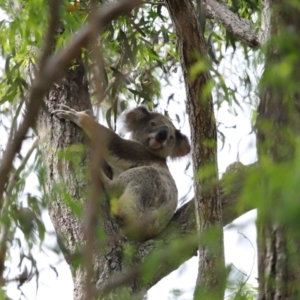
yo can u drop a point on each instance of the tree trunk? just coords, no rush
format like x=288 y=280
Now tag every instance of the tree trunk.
x=69 y=177
x=56 y=136
x=60 y=142
x=192 y=50
x=278 y=131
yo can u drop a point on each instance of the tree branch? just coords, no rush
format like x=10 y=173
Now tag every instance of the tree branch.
x=183 y=223
x=178 y=242
x=241 y=28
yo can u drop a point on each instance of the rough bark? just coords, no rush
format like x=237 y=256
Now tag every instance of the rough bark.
x=52 y=69
x=57 y=135
x=265 y=28
x=242 y=29
x=278 y=261
x=278 y=129
x=108 y=258
x=192 y=49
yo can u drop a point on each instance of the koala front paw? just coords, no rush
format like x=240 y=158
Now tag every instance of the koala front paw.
x=67 y=113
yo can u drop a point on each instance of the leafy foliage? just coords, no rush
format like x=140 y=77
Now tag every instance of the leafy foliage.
x=137 y=60
x=138 y=55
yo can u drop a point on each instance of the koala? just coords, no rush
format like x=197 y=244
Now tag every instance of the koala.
x=142 y=192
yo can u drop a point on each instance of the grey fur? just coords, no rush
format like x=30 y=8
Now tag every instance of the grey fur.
x=143 y=194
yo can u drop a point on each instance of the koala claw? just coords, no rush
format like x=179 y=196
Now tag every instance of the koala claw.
x=65 y=112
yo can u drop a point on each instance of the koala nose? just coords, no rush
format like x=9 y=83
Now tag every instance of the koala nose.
x=162 y=134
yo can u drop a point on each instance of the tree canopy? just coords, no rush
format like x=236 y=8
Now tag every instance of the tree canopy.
x=239 y=55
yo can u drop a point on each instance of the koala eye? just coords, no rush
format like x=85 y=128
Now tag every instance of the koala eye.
x=152 y=123
x=172 y=137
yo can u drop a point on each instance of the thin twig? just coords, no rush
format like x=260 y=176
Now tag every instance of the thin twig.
x=245 y=281
x=14 y=122
x=4 y=211
x=237 y=293
x=92 y=208
x=31 y=274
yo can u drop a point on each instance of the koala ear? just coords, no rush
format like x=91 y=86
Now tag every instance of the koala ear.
x=182 y=146
x=132 y=117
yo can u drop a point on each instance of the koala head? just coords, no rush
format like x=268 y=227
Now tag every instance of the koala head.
x=156 y=132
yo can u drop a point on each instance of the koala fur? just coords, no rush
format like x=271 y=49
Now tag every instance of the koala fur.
x=142 y=192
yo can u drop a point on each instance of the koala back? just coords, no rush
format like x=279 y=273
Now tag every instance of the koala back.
x=145 y=202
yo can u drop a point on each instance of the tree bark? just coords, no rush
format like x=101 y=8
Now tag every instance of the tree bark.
x=241 y=28
x=192 y=49
x=278 y=243
x=278 y=130
x=57 y=136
